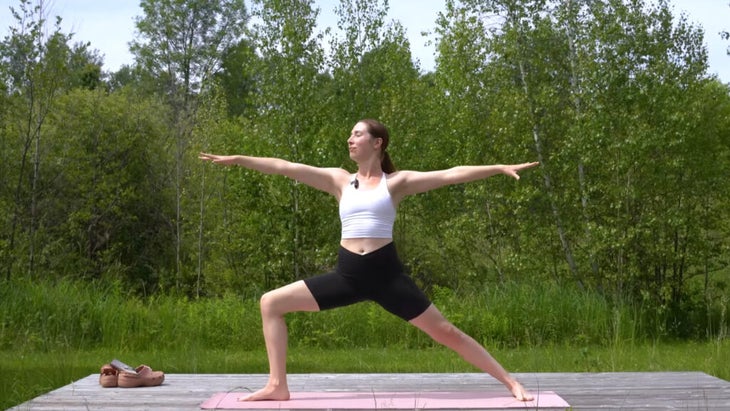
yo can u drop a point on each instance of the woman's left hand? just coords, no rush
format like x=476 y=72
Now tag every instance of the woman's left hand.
x=513 y=169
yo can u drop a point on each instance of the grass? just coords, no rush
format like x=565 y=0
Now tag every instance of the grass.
x=68 y=329
x=71 y=315
x=28 y=375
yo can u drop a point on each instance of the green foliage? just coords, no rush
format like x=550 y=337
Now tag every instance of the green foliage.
x=35 y=68
x=100 y=179
x=598 y=88
x=181 y=42
x=237 y=79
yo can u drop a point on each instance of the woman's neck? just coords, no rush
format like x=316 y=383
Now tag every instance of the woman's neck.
x=369 y=174
x=369 y=170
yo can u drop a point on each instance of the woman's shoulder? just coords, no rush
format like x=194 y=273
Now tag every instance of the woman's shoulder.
x=400 y=175
x=397 y=182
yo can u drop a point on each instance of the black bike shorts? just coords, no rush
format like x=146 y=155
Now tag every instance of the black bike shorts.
x=376 y=276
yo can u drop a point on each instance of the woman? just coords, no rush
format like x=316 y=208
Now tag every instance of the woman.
x=368 y=267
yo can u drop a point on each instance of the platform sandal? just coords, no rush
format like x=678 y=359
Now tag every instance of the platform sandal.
x=108 y=376
x=144 y=377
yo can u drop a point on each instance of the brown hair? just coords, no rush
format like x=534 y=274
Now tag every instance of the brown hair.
x=378 y=130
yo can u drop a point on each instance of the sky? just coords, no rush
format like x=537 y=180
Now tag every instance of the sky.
x=109 y=26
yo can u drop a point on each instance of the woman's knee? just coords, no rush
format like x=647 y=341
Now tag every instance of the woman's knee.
x=286 y=299
x=269 y=303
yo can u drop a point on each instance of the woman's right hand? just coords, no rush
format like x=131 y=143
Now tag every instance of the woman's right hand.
x=216 y=159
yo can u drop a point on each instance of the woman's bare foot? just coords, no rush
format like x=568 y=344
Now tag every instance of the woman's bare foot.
x=268 y=394
x=520 y=393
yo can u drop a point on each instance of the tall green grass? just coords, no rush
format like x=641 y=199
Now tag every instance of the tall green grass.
x=44 y=316
x=72 y=315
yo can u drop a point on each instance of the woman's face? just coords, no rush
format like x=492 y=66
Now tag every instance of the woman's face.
x=361 y=144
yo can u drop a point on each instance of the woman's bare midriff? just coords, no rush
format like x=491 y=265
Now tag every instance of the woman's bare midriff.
x=364 y=245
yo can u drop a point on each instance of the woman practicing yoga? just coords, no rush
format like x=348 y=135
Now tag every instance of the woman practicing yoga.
x=368 y=267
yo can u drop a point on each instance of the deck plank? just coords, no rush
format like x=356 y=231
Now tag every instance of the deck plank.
x=583 y=391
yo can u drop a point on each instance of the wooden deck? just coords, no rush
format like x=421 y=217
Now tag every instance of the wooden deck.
x=583 y=391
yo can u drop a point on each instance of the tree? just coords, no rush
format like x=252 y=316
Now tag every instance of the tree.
x=181 y=47
x=85 y=67
x=288 y=122
x=34 y=67
x=485 y=116
x=362 y=22
x=106 y=198
x=239 y=79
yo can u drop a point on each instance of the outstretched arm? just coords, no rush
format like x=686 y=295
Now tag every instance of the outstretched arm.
x=329 y=180
x=413 y=182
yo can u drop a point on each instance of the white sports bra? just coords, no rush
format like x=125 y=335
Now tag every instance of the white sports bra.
x=367 y=213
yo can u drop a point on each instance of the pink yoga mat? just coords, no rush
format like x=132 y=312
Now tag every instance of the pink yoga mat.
x=386 y=401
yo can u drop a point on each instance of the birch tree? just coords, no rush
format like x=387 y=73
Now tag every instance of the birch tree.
x=180 y=46
x=34 y=64
x=288 y=122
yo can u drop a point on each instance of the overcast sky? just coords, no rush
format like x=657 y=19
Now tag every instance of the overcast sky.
x=109 y=26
